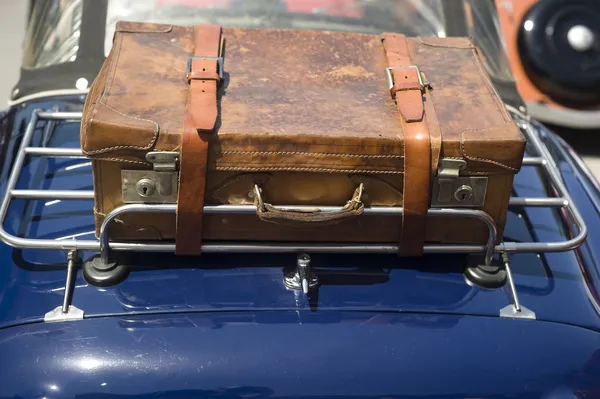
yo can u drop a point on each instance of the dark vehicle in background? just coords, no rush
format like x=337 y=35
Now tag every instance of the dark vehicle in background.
x=554 y=51
x=232 y=323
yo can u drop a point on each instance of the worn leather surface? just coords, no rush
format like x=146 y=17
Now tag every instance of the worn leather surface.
x=410 y=96
x=198 y=126
x=311 y=110
x=306 y=102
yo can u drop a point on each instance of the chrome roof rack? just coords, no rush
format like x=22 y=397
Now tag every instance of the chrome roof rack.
x=105 y=247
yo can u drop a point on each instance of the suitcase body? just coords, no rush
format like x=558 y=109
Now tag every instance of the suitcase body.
x=307 y=118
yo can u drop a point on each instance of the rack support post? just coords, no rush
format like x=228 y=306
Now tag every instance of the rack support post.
x=515 y=310
x=67 y=311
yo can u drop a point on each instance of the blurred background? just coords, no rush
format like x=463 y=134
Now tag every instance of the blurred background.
x=12 y=27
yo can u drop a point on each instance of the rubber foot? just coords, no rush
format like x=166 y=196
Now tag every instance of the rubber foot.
x=491 y=277
x=100 y=274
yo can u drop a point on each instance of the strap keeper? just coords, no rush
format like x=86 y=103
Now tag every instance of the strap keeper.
x=205 y=75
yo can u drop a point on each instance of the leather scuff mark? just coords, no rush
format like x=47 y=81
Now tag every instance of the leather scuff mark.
x=351 y=71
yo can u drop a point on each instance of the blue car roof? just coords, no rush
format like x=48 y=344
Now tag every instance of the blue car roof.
x=558 y=287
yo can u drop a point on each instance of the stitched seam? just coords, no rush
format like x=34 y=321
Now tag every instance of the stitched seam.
x=274 y=168
x=123 y=160
x=468 y=173
x=103 y=102
x=311 y=165
x=462 y=149
x=491 y=161
x=126 y=160
x=309 y=154
x=337 y=143
x=477 y=62
x=122 y=147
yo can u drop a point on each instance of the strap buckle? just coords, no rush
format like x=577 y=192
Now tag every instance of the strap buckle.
x=390 y=78
x=201 y=57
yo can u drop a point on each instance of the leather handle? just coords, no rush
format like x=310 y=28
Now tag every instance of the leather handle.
x=308 y=218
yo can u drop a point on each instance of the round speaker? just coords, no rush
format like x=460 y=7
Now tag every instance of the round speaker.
x=559 y=46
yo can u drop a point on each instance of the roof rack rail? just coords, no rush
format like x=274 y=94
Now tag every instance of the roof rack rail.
x=105 y=247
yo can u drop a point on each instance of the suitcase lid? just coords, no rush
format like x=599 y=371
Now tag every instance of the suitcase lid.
x=294 y=100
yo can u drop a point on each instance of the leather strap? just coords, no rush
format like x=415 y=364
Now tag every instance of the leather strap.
x=199 y=123
x=409 y=94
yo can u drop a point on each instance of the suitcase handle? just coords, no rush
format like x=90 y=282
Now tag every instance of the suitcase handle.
x=308 y=217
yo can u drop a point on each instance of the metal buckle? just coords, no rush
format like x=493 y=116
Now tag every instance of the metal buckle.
x=390 y=78
x=201 y=57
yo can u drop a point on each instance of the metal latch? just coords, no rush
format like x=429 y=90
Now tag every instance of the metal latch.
x=163 y=161
x=156 y=186
x=448 y=172
x=452 y=190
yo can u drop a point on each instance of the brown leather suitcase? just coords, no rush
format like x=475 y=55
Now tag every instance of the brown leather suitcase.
x=209 y=116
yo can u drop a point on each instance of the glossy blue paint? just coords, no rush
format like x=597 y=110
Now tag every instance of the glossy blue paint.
x=175 y=314
x=300 y=354
x=581 y=183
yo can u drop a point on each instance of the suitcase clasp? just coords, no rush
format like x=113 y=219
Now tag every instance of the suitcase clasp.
x=163 y=161
x=452 y=190
x=156 y=186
